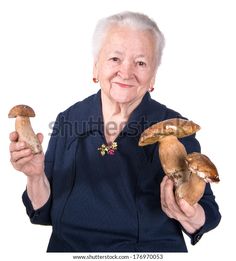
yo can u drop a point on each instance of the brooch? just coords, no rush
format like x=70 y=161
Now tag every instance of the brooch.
x=110 y=149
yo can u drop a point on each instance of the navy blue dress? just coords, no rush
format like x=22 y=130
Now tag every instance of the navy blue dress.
x=110 y=203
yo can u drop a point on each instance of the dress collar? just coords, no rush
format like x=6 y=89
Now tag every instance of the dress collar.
x=145 y=114
x=137 y=117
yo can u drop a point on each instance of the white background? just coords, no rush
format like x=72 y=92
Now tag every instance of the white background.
x=46 y=62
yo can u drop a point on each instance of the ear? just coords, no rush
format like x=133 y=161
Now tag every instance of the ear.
x=153 y=80
x=95 y=70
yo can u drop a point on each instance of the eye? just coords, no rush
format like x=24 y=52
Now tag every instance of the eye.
x=141 y=64
x=114 y=59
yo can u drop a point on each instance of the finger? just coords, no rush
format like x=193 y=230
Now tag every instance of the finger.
x=186 y=208
x=163 y=183
x=165 y=178
x=17 y=155
x=168 y=213
x=40 y=137
x=170 y=198
x=17 y=146
x=164 y=205
x=168 y=191
x=21 y=162
x=13 y=136
x=162 y=194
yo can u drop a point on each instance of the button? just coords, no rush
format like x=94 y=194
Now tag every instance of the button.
x=198 y=237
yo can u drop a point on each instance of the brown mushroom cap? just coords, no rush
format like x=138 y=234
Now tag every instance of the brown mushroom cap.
x=21 y=110
x=177 y=127
x=201 y=165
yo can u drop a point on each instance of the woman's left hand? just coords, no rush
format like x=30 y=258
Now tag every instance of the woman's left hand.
x=190 y=217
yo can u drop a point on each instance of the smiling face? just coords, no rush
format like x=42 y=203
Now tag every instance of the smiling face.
x=126 y=64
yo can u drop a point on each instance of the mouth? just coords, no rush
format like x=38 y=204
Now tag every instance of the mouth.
x=122 y=85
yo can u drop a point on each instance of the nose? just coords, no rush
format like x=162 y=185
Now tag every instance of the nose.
x=126 y=70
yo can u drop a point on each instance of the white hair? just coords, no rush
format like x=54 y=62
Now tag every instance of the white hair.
x=129 y=19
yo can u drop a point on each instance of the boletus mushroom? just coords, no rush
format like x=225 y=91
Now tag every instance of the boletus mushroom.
x=202 y=171
x=22 y=113
x=188 y=172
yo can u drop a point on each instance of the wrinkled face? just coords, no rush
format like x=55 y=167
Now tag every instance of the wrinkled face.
x=126 y=64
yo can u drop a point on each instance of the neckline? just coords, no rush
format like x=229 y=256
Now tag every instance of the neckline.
x=134 y=123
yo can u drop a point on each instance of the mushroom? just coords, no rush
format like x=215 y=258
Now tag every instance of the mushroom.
x=202 y=166
x=172 y=152
x=24 y=128
x=183 y=169
x=202 y=171
x=177 y=127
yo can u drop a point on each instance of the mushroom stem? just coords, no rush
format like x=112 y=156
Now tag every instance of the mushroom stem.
x=172 y=155
x=26 y=134
x=191 y=190
x=188 y=186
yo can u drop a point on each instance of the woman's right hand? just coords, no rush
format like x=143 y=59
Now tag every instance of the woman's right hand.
x=32 y=165
x=22 y=158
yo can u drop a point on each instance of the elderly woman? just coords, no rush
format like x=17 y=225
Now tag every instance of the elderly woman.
x=98 y=189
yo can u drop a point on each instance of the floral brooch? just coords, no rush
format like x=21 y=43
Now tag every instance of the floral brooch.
x=110 y=149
